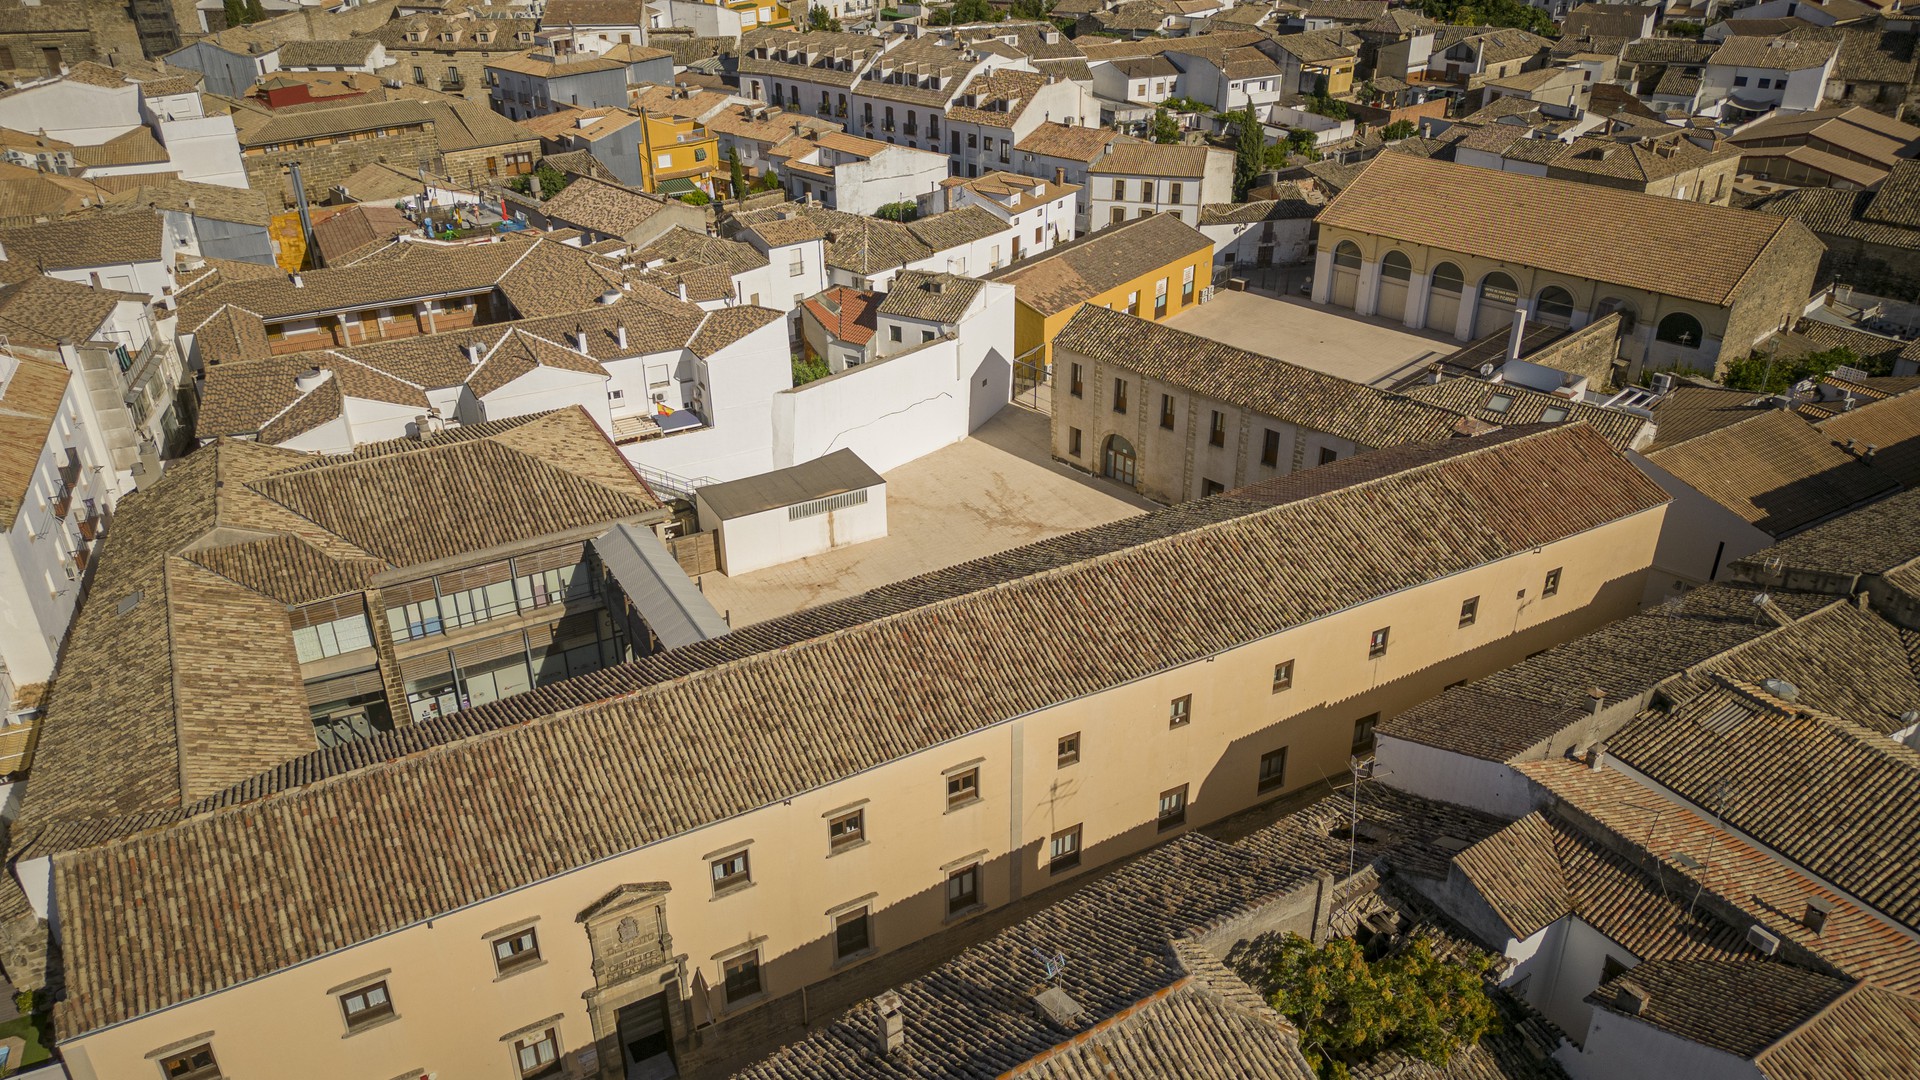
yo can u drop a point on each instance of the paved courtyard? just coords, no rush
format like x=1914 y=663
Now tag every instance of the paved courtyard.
x=1363 y=349
x=995 y=490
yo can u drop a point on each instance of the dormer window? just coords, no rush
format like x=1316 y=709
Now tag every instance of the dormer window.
x=447 y=36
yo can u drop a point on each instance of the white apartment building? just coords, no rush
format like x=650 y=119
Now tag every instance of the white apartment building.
x=859 y=176
x=1134 y=180
x=1042 y=213
x=99 y=121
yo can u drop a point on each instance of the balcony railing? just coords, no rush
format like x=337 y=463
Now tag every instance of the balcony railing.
x=16 y=747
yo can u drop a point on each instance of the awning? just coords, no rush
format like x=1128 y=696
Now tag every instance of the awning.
x=679 y=185
x=663 y=594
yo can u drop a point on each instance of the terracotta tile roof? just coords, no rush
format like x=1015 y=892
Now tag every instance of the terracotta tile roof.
x=1831 y=212
x=143 y=719
x=1791 y=52
x=542 y=64
x=349 y=52
x=210 y=201
x=1871 y=540
x=1540 y=870
x=917 y=294
x=94 y=238
x=353 y=228
x=1691 y=411
x=1681 y=249
x=1740 y=1007
x=997 y=99
x=1835 y=797
x=565 y=13
x=1745 y=882
x=836 y=59
x=847 y=314
x=1156 y=159
x=520 y=353
x=1775 y=470
x=604 y=207
x=40 y=312
x=1476 y=398
x=724 y=326
x=1270 y=387
x=1069 y=274
x=29 y=405
x=1868 y=1032
x=1070 y=142
x=538 y=773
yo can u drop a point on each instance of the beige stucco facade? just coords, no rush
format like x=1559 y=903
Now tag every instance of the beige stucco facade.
x=1353 y=270
x=455 y=1017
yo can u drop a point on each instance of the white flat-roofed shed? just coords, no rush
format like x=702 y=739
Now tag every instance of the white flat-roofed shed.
x=791 y=513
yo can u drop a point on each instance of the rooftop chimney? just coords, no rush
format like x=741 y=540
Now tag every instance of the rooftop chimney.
x=299 y=282
x=1597 y=701
x=891 y=1021
x=1519 y=331
x=1630 y=999
x=1818 y=910
x=1060 y=174
x=473 y=352
x=579 y=339
x=683 y=290
x=308 y=379
x=1597 y=757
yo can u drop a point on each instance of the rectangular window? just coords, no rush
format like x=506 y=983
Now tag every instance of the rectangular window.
x=538 y=1055
x=852 y=934
x=963 y=788
x=1146 y=191
x=742 y=975
x=1469 y=610
x=1180 y=711
x=1074 y=385
x=1120 y=393
x=1217 y=431
x=926 y=336
x=1160 y=298
x=1377 y=644
x=1073 y=442
x=1739 y=80
x=1328 y=455
x=1363 y=733
x=1209 y=488
x=194 y=1064
x=1283 y=676
x=1552 y=585
x=963 y=889
x=1120 y=189
x=1068 y=750
x=1166 y=411
x=1273 y=770
x=367 y=1005
x=1065 y=853
x=1174 y=193
x=894 y=332
x=847 y=830
x=1270 y=450
x=1186 y=285
x=796 y=263
x=730 y=871
x=1173 y=808
x=515 y=951
x=1118 y=215
x=1133 y=303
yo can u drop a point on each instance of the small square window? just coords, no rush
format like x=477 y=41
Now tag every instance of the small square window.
x=1210 y=488
x=852 y=933
x=1283 y=676
x=1377 y=644
x=730 y=871
x=1065 y=850
x=538 y=1055
x=893 y=333
x=1552 y=414
x=1499 y=403
x=1273 y=770
x=1180 y=711
x=1363 y=733
x=1469 y=610
x=963 y=889
x=1068 y=751
x=1173 y=808
x=194 y=1064
x=1328 y=455
x=1552 y=585
x=367 y=1005
x=963 y=788
x=1073 y=442
x=847 y=830
x=742 y=976
x=515 y=951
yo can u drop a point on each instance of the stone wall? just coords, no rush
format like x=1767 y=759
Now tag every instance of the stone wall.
x=1872 y=268
x=1779 y=283
x=322 y=167
x=1589 y=351
x=460 y=165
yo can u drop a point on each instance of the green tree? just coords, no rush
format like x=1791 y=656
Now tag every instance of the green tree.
x=1165 y=128
x=963 y=12
x=255 y=12
x=1250 y=152
x=1763 y=374
x=696 y=198
x=1514 y=13
x=906 y=210
x=806 y=369
x=818 y=19
x=1399 y=129
x=1349 y=1009
x=1030 y=10
x=736 y=176
x=236 y=12
x=1304 y=143
x=768 y=180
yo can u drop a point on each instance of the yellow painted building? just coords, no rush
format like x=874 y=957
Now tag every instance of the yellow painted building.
x=1153 y=267
x=677 y=155
x=755 y=14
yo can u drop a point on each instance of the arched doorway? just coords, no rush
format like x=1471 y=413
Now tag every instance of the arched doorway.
x=1554 y=306
x=1443 y=304
x=1346 y=274
x=1498 y=295
x=1680 y=329
x=1396 y=272
x=1117 y=462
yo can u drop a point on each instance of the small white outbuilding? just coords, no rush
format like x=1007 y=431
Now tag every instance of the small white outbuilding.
x=792 y=513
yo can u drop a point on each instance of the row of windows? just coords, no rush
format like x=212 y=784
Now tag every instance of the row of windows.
x=1176 y=190
x=371 y=1003
x=450 y=609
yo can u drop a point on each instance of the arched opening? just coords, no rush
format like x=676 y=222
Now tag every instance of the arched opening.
x=1443 y=302
x=1396 y=271
x=1629 y=315
x=1346 y=274
x=1117 y=461
x=1498 y=295
x=1554 y=305
x=1680 y=329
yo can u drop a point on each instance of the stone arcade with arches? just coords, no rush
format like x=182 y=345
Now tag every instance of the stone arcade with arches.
x=1466 y=251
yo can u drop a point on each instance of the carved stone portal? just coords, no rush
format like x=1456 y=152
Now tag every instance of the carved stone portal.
x=638 y=1003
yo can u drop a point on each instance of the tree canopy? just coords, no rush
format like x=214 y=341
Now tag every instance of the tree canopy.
x=1249 y=153
x=1515 y=13
x=1763 y=374
x=1165 y=129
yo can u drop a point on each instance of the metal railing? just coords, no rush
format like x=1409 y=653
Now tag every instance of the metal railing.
x=666 y=483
